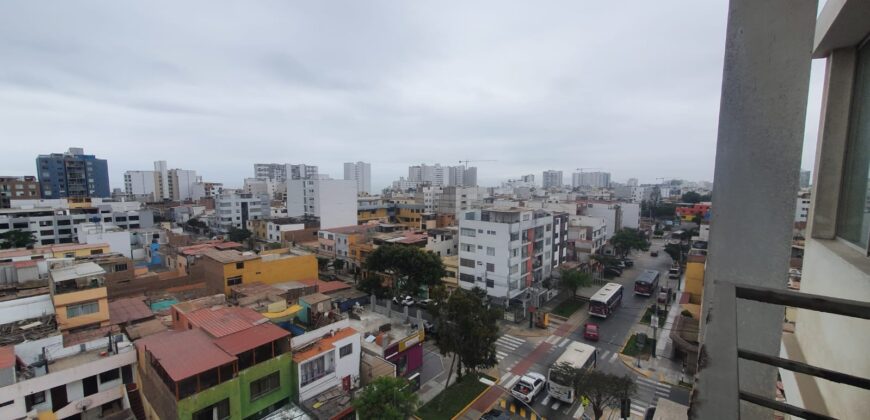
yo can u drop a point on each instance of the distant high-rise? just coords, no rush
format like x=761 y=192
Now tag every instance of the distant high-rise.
x=460 y=176
x=591 y=179
x=280 y=172
x=552 y=179
x=806 y=178
x=361 y=172
x=72 y=174
x=632 y=182
x=430 y=174
x=161 y=183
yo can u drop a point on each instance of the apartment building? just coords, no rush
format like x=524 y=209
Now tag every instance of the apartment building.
x=361 y=172
x=399 y=343
x=429 y=196
x=327 y=360
x=802 y=207
x=429 y=174
x=591 y=179
x=586 y=235
x=443 y=242
x=220 y=269
x=72 y=174
x=505 y=251
x=333 y=201
x=163 y=183
x=460 y=176
x=560 y=238
x=56 y=222
x=215 y=363
x=17 y=187
x=552 y=179
x=234 y=209
x=337 y=242
x=140 y=184
x=69 y=376
x=455 y=200
x=78 y=293
x=611 y=212
x=280 y=172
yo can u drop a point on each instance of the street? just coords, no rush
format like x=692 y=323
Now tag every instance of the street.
x=518 y=355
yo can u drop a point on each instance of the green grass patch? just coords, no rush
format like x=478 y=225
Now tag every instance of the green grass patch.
x=632 y=350
x=568 y=307
x=453 y=399
x=648 y=315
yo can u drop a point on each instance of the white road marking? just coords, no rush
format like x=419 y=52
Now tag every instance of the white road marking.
x=519 y=341
x=564 y=342
x=638 y=409
x=505 y=377
x=546 y=400
x=511 y=382
x=612 y=358
x=556 y=405
x=579 y=412
x=502 y=354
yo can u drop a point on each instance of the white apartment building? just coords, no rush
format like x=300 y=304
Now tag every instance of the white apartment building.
x=336 y=361
x=611 y=212
x=140 y=184
x=588 y=234
x=429 y=196
x=505 y=251
x=443 y=242
x=333 y=201
x=802 y=208
x=431 y=174
x=88 y=379
x=162 y=183
x=591 y=179
x=234 y=209
x=361 y=172
x=460 y=176
x=57 y=225
x=455 y=200
x=552 y=179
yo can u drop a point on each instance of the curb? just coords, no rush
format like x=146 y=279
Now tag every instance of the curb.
x=464 y=409
x=634 y=368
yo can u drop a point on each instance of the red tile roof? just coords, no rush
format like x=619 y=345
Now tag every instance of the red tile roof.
x=326 y=286
x=223 y=321
x=250 y=338
x=322 y=345
x=126 y=310
x=22 y=264
x=7 y=357
x=183 y=354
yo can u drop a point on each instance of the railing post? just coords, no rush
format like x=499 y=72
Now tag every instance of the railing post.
x=716 y=393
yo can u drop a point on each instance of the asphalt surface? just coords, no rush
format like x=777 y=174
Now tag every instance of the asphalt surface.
x=515 y=352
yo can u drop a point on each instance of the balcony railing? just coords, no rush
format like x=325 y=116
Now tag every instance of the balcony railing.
x=717 y=391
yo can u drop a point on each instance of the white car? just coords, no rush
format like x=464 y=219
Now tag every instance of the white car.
x=528 y=387
x=406 y=301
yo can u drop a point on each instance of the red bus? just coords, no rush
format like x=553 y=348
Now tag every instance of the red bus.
x=646 y=283
x=605 y=300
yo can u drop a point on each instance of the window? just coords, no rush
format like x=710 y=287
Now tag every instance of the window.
x=240 y=265
x=490 y=251
x=853 y=222
x=109 y=375
x=480 y=247
x=466 y=277
x=219 y=411
x=465 y=262
x=490 y=267
x=120 y=267
x=317 y=368
x=232 y=281
x=515 y=268
x=34 y=399
x=345 y=351
x=265 y=385
x=73 y=311
x=468 y=232
x=467 y=248
x=490 y=283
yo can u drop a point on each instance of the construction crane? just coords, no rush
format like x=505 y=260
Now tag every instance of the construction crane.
x=479 y=160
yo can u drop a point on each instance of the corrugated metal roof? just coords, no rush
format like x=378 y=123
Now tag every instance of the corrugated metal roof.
x=315 y=298
x=223 y=321
x=128 y=309
x=77 y=271
x=326 y=286
x=183 y=354
x=251 y=338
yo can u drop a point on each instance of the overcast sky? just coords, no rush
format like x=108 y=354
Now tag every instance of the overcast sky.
x=632 y=89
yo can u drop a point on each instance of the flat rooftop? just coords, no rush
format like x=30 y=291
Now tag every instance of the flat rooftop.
x=76 y=271
x=369 y=326
x=229 y=256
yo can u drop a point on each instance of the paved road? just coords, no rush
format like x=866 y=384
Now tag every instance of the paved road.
x=518 y=355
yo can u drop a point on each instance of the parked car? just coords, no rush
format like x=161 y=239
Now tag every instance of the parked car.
x=425 y=303
x=406 y=301
x=628 y=262
x=653 y=253
x=529 y=386
x=674 y=272
x=590 y=331
x=612 y=272
x=495 y=414
x=618 y=264
x=328 y=277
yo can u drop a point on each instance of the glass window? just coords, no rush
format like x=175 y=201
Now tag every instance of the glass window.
x=73 y=311
x=109 y=375
x=345 y=351
x=217 y=411
x=465 y=262
x=265 y=385
x=490 y=267
x=853 y=223
x=490 y=251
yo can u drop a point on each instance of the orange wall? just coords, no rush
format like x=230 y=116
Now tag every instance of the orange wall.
x=89 y=295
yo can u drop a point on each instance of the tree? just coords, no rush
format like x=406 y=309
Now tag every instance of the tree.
x=674 y=251
x=602 y=389
x=468 y=328
x=573 y=280
x=691 y=197
x=322 y=263
x=16 y=239
x=412 y=268
x=238 y=235
x=373 y=284
x=338 y=264
x=273 y=245
x=386 y=398
x=627 y=239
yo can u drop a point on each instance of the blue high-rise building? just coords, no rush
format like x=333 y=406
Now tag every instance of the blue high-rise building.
x=72 y=174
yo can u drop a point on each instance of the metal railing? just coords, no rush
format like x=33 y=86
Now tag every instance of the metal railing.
x=717 y=392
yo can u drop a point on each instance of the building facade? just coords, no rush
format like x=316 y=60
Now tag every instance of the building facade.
x=552 y=179
x=234 y=209
x=72 y=174
x=280 y=172
x=17 y=188
x=592 y=179
x=361 y=172
x=53 y=224
x=333 y=201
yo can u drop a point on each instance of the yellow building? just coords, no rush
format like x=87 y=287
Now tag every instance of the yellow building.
x=694 y=286
x=410 y=216
x=451 y=266
x=73 y=250
x=78 y=293
x=366 y=215
x=222 y=269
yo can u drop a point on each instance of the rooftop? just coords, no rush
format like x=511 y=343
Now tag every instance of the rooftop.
x=310 y=350
x=7 y=357
x=326 y=286
x=370 y=324
x=76 y=271
x=228 y=256
x=315 y=298
x=347 y=230
x=122 y=311
x=250 y=338
x=223 y=321
x=183 y=354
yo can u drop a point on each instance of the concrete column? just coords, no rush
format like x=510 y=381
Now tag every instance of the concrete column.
x=765 y=85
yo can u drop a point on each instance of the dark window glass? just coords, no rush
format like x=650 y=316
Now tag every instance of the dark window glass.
x=853 y=223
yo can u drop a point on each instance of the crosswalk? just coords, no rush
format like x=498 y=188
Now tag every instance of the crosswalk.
x=555 y=323
x=648 y=393
x=505 y=345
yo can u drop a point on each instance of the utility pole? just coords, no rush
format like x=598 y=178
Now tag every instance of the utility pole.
x=654 y=320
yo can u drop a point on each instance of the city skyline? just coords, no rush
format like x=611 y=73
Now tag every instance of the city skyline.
x=515 y=86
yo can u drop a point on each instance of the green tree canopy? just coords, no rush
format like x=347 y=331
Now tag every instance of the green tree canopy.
x=373 y=284
x=602 y=389
x=412 y=267
x=338 y=264
x=386 y=398
x=691 y=197
x=16 y=239
x=238 y=235
x=627 y=239
x=468 y=328
x=572 y=280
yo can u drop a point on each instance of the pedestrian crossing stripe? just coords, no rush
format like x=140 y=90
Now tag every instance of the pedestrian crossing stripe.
x=638 y=409
x=512 y=338
x=615 y=355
